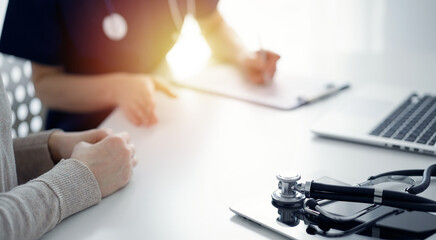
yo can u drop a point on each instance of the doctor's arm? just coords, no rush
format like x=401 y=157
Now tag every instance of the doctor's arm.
x=226 y=46
x=133 y=93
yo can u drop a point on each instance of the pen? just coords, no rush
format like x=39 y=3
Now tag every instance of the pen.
x=263 y=57
x=327 y=93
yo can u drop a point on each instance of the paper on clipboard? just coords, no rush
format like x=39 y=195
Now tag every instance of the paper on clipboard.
x=285 y=92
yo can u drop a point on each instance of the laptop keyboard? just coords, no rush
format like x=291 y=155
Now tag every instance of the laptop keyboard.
x=413 y=121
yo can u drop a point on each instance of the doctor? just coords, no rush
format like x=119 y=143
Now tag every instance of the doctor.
x=90 y=56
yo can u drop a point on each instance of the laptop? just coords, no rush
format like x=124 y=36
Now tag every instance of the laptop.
x=385 y=116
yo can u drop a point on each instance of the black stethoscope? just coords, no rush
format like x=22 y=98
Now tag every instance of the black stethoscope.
x=115 y=25
x=310 y=196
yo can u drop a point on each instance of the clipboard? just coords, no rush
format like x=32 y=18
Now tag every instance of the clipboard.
x=285 y=92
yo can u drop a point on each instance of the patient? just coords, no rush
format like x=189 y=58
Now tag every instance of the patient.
x=49 y=176
x=90 y=56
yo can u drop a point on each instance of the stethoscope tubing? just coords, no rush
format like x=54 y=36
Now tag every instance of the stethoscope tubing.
x=362 y=193
x=398 y=200
x=408 y=205
x=390 y=198
x=109 y=6
x=341 y=197
x=417 y=188
x=312 y=230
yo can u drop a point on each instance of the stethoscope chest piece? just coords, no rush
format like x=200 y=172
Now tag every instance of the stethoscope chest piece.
x=287 y=194
x=115 y=26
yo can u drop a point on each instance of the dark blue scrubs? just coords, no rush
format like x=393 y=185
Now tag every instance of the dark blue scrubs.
x=69 y=33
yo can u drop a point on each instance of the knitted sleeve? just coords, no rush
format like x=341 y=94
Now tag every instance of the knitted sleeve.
x=30 y=210
x=32 y=156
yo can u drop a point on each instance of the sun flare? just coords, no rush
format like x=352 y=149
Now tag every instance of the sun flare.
x=191 y=52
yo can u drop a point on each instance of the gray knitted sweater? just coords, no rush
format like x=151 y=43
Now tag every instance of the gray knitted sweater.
x=30 y=209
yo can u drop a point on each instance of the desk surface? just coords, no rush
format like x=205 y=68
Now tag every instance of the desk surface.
x=207 y=152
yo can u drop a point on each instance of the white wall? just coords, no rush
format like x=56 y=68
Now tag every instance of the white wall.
x=328 y=38
x=345 y=26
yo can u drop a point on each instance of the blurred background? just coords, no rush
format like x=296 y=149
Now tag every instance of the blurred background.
x=311 y=31
x=330 y=38
x=334 y=39
x=28 y=113
x=338 y=26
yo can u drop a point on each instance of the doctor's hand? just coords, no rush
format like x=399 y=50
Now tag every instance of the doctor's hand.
x=260 y=66
x=135 y=97
x=61 y=144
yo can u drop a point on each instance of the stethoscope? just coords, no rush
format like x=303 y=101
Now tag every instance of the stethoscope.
x=115 y=25
x=308 y=197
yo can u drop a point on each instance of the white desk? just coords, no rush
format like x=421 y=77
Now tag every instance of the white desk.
x=208 y=151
